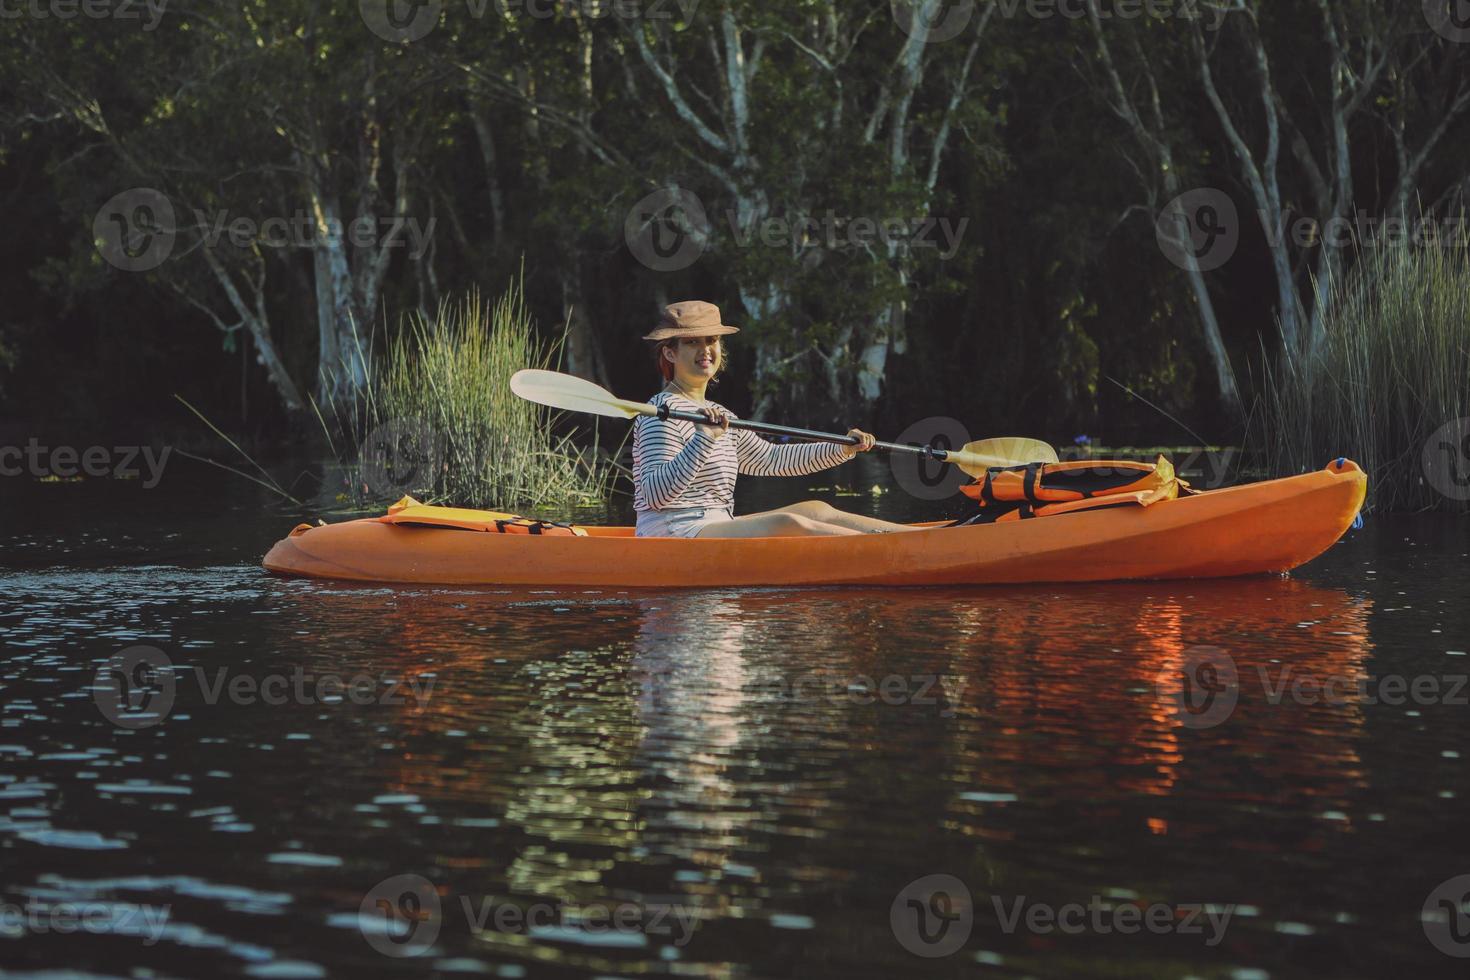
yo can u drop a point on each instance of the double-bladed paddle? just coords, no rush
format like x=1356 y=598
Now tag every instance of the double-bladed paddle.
x=573 y=394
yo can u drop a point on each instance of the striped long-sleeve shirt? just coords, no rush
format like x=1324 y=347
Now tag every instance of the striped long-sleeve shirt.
x=680 y=464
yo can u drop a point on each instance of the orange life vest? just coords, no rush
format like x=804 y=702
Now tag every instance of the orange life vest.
x=1047 y=489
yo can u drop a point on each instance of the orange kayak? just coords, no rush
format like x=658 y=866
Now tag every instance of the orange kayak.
x=1246 y=530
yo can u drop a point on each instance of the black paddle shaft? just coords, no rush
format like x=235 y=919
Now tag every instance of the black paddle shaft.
x=811 y=435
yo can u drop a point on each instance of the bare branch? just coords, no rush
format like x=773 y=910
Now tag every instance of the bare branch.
x=675 y=96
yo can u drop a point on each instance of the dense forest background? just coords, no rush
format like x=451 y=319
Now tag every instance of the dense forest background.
x=1007 y=211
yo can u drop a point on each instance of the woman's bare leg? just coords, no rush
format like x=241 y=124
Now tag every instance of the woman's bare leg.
x=772 y=524
x=825 y=513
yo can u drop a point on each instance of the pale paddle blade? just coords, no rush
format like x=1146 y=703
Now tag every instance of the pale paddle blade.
x=1016 y=448
x=976 y=457
x=572 y=394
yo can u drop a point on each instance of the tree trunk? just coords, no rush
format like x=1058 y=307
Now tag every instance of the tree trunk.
x=1151 y=135
x=253 y=314
x=763 y=302
x=490 y=160
x=583 y=352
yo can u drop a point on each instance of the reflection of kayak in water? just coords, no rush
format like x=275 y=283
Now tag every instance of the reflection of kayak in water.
x=1252 y=529
x=690 y=682
x=1166 y=691
x=737 y=746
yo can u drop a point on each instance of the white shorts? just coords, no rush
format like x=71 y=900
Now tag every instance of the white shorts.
x=679 y=522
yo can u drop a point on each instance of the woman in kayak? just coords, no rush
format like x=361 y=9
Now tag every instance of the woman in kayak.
x=685 y=473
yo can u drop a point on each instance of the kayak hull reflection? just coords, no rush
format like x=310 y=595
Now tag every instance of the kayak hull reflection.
x=1253 y=529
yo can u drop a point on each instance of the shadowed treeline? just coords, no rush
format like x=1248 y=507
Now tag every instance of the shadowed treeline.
x=918 y=207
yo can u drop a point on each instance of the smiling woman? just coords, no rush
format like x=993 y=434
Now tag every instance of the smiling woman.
x=685 y=473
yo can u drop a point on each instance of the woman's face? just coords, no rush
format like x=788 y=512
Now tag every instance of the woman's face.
x=696 y=359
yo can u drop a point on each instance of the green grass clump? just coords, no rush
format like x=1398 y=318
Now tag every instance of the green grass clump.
x=446 y=427
x=1391 y=372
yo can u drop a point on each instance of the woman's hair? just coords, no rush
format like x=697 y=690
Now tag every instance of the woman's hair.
x=666 y=367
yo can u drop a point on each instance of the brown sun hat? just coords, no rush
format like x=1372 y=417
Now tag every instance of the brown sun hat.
x=691 y=318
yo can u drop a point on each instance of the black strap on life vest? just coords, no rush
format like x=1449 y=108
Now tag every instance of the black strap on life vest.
x=532 y=525
x=987 y=490
x=1028 y=486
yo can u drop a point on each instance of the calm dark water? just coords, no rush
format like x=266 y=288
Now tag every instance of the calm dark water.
x=722 y=783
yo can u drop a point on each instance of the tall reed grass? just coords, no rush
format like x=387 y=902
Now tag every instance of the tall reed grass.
x=1391 y=372
x=442 y=423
